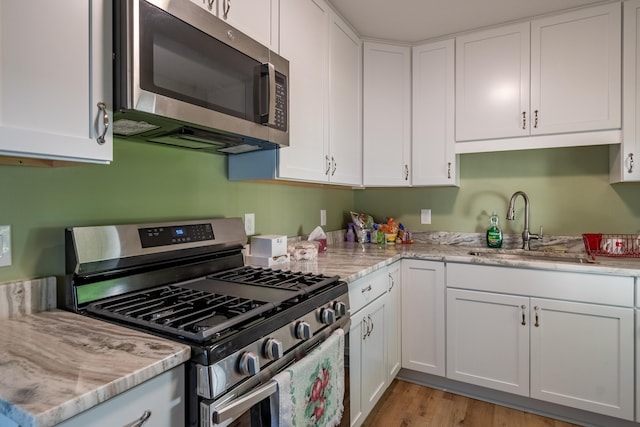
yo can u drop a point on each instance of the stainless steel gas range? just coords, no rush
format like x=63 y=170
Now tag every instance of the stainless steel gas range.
x=186 y=281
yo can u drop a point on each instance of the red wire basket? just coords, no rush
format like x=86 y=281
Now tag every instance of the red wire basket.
x=612 y=245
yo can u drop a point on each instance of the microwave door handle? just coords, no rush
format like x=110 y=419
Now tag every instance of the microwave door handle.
x=269 y=117
x=242 y=404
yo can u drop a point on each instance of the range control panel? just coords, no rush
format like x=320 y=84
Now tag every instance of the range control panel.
x=175 y=235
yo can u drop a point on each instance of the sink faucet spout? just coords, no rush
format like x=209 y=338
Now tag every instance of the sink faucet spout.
x=511 y=214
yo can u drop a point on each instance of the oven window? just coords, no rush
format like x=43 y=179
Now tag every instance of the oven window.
x=181 y=62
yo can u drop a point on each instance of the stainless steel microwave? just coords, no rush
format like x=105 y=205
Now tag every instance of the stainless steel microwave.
x=186 y=78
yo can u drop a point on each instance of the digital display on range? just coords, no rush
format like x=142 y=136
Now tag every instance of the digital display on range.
x=175 y=235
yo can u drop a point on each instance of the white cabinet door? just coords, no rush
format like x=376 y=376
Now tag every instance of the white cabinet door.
x=386 y=114
x=492 y=83
x=345 y=104
x=423 y=316
x=488 y=340
x=433 y=157
x=393 y=321
x=252 y=17
x=582 y=356
x=625 y=158
x=575 y=71
x=162 y=397
x=303 y=41
x=55 y=68
x=367 y=364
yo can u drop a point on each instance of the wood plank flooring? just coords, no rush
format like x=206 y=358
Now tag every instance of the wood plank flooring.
x=406 y=404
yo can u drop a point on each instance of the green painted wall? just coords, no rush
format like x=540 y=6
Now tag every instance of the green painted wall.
x=145 y=183
x=568 y=188
x=569 y=191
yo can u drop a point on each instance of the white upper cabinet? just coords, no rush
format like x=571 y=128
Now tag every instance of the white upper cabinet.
x=624 y=159
x=256 y=18
x=345 y=104
x=433 y=157
x=56 y=81
x=492 y=83
x=386 y=115
x=325 y=142
x=304 y=37
x=575 y=71
x=557 y=75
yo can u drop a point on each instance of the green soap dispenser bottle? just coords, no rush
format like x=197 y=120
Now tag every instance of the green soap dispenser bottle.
x=494 y=234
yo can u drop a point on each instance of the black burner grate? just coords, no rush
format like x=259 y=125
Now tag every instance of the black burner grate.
x=182 y=311
x=275 y=278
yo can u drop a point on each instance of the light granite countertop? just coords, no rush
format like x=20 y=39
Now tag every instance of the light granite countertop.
x=55 y=364
x=352 y=260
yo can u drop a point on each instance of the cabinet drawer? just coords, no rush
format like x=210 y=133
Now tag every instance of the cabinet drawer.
x=367 y=289
x=582 y=287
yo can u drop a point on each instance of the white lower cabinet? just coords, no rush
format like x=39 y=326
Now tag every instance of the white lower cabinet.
x=573 y=351
x=374 y=338
x=423 y=316
x=393 y=320
x=159 y=400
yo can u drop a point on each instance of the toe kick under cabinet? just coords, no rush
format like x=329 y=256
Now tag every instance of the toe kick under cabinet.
x=561 y=337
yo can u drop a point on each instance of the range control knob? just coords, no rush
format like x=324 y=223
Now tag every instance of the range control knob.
x=340 y=308
x=303 y=331
x=273 y=349
x=327 y=316
x=249 y=363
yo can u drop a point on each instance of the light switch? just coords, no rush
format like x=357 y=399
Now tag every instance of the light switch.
x=425 y=216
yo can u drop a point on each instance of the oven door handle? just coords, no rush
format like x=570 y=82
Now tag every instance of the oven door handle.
x=241 y=405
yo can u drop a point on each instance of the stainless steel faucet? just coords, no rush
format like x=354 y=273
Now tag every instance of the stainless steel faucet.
x=511 y=213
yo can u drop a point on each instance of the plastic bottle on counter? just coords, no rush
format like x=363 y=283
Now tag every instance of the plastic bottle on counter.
x=351 y=236
x=494 y=234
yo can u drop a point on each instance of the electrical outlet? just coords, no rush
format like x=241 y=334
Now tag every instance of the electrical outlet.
x=323 y=217
x=5 y=245
x=425 y=216
x=250 y=224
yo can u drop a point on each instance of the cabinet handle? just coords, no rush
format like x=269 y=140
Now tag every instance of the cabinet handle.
x=449 y=170
x=140 y=421
x=523 y=308
x=371 y=322
x=102 y=107
x=406 y=172
x=535 y=119
x=365 y=328
x=328 y=164
x=391 y=282
x=367 y=289
x=334 y=166
x=630 y=168
x=524 y=120
x=209 y=3
x=535 y=309
x=226 y=6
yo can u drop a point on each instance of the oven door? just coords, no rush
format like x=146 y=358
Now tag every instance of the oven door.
x=250 y=404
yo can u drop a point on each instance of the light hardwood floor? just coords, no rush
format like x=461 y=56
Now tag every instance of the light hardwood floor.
x=409 y=405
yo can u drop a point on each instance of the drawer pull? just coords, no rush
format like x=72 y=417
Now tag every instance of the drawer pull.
x=535 y=309
x=523 y=308
x=140 y=421
x=367 y=289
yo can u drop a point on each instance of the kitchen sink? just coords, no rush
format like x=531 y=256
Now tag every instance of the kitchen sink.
x=522 y=255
